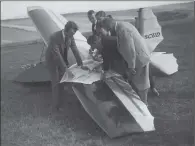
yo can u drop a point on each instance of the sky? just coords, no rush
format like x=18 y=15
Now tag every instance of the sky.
x=18 y=9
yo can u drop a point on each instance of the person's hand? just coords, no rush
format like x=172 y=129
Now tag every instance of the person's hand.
x=97 y=58
x=95 y=53
x=68 y=74
x=131 y=72
x=90 y=51
x=97 y=69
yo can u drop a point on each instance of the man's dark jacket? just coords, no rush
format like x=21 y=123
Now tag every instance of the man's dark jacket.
x=57 y=50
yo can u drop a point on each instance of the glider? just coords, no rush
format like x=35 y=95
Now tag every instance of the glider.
x=112 y=104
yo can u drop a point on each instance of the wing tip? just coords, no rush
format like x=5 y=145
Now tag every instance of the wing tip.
x=31 y=8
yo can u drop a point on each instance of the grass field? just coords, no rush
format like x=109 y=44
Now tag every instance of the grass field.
x=26 y=117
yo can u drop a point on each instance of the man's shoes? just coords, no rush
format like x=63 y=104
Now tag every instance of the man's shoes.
x=155 y=92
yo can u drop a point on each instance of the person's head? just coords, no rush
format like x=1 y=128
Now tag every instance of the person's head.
x=70 y=28
x=91 y=16
x=109 y=16
x=105 y=26
x=100 y=14
x=92 y=41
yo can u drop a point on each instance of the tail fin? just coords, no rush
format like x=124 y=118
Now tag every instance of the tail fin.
x=149 y=28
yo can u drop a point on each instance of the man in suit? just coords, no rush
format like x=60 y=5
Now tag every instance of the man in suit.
x=133 y=48
x=92 y=19
x=57 y=59
x=112 y=59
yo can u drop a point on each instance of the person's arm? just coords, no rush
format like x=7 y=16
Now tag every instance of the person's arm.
x=76 y=52
x=106 y=61
x=90 y=42
x=127 y=48
x=105 y=55
x=109 y=43
x=56 y=54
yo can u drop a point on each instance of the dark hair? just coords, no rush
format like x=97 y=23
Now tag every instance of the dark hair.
x=101 y=14
x=90 y=12
x=105 y=23
x=109 y=16
x=69 y=25
x=92 y=39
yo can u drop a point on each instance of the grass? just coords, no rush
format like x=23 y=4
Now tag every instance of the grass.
x=27 y=119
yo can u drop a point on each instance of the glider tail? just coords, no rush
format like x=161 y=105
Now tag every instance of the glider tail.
x=148 y=26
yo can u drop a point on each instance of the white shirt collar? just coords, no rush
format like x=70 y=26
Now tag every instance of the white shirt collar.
x=63 y=35
x=115 y=26
x=95 y=22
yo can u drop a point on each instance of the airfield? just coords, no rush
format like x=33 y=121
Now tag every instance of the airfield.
x=26 y=117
